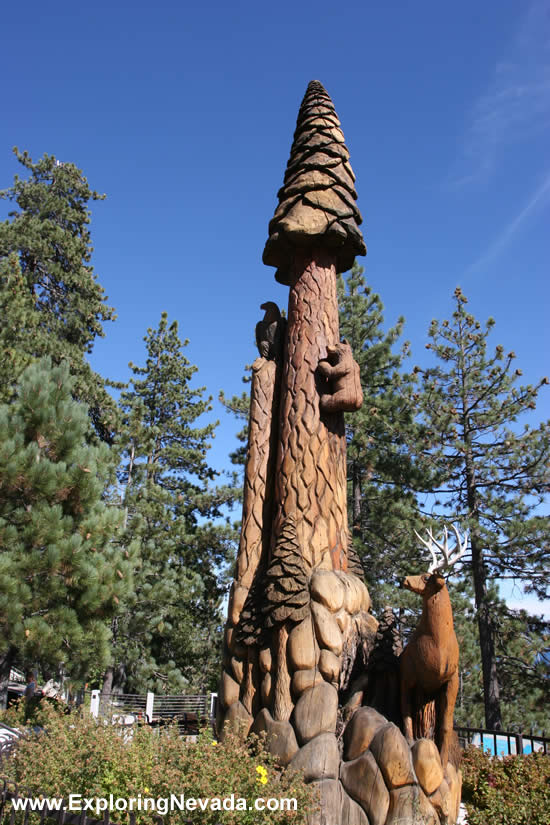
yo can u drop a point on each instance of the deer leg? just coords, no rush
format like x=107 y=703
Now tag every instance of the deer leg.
x=406 y=711
x=444 y=717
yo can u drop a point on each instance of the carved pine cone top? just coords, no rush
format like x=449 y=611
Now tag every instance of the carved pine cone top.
x=317 y=201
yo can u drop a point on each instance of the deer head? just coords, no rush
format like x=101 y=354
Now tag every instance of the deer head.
x=433 y=580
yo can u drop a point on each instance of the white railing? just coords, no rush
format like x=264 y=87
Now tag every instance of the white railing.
x=127 y=708
x=17 y=675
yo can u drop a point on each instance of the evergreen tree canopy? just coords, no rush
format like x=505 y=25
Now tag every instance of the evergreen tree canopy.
x=61 y=572
x=169 y=635
x=47 y=231
x=491 y=472
x=381 y=441
x=19 y=325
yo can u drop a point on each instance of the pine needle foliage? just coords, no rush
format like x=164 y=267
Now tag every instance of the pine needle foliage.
x=47 y=232
x=62 y=574
x=169 y=635
x=382 y=473
x=491 y=472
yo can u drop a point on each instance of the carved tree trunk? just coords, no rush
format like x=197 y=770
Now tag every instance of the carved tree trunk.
x=311 y=463
x=258 y=484
x=242 y=674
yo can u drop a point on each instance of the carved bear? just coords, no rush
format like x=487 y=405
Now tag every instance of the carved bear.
x=342 y=373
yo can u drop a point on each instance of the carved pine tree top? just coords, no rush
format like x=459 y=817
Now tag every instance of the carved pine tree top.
x=317 y=201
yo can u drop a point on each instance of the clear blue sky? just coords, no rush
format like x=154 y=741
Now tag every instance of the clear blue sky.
x=183 y=113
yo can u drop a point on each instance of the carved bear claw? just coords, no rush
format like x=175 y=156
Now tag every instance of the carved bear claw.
x=342 y=374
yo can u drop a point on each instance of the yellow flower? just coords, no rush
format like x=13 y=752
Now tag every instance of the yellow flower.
x=147 y=790
x=262 y=774
x=214 y=742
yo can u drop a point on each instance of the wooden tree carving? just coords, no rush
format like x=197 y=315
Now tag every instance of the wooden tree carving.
x=429 y=664
x=299 y=620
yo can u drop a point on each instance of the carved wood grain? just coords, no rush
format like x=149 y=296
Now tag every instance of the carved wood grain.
x=311 y=462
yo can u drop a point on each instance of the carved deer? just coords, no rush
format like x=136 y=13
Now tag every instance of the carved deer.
x=428 y=665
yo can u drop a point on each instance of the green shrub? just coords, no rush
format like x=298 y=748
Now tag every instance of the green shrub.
x=75 y=754
x=510 y=791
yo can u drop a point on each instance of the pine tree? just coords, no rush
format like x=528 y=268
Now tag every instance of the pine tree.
x=169 y=636
x=491 y=473
x=239 y=406
x=19 y=325
x=48 y=233
x=62 y=573
x=381 y=443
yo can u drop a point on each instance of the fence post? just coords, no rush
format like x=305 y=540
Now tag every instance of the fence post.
x=149 y=706
x=519 y=744
x=94 y=704
x=213 y=702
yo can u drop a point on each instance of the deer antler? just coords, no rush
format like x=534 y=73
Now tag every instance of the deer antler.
x=449 y=557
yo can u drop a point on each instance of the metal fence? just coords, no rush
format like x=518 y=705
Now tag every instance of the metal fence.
x=188 y=711
x=503 y=743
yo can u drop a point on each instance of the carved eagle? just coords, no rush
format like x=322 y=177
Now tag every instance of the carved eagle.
x=270 y=332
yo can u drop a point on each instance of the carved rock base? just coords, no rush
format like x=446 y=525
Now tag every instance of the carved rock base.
x=367 y=774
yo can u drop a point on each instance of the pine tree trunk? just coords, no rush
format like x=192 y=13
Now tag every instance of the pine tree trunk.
x=107 y=686
x=311 y=463
x=356 y=499
x=491 y=687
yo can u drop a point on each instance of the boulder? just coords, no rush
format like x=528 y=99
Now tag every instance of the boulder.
x=237 y=599
x=442 y=802
x=337 y=807
x=326 y=629
x=361 y=730
x=237 y=666
x=352 y=813
x=316 y=712
x=329 y=665
x=410 y=805
x=265 y=660
x=301 y=646
x=318 y=759
x=330 y=803
x=326 y=588
x=454 y=781
x=354 y=593
x=390 y=749
x=365 y=597
x=266 y=689
x=305 y=679
x=229 y=689
x=279 y=736
x=427 y=765
x=363 y=781
x=343 y=619
x=237 y=718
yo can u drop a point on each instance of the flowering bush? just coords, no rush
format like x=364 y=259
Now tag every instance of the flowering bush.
x=75 y=754
x=510 y=791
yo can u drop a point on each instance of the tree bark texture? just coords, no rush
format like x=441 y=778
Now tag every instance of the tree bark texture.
x=311 y=462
